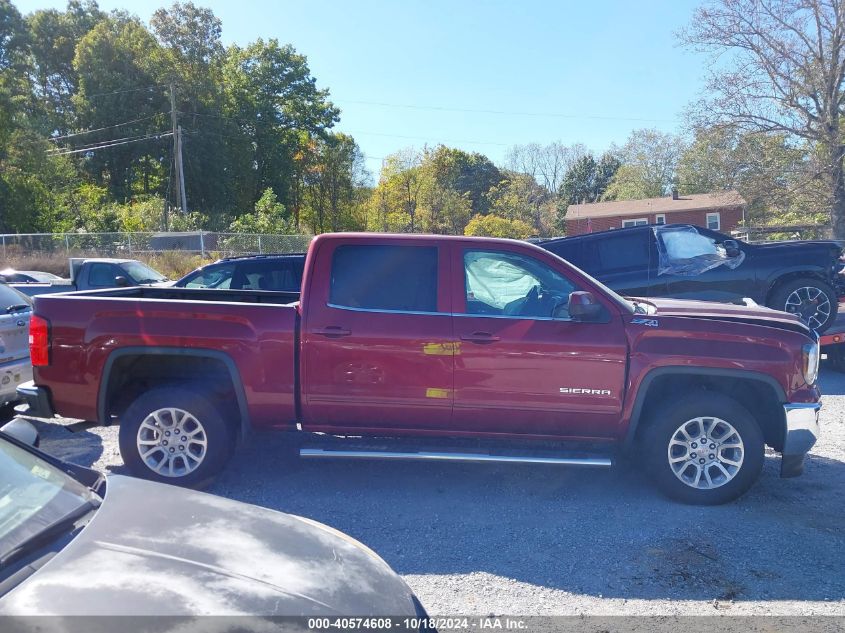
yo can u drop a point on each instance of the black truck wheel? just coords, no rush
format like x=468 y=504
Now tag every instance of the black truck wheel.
x=174 y=435
x=704 y=449
x=813 y=300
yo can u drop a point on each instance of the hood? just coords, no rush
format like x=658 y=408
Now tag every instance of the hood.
x=154 y=549
x=752 y=315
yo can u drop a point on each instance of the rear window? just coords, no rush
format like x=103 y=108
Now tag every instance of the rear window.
x=402 y=278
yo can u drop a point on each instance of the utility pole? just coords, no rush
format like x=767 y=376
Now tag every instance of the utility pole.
x=181 y=170
x=177 y=152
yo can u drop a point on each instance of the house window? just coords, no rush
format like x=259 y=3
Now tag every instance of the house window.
x=637 y=222
x=714 y=222
x=660 y=218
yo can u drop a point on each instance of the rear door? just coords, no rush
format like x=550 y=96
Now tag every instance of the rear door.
x=625 y=261
x=522 y=366
x=377 y=337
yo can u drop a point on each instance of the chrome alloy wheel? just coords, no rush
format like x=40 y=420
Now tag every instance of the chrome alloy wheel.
x=705 y=453
x=810 y=304
x=172 y=442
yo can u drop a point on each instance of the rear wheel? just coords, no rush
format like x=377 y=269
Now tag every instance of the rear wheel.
x=705 y=449
x=176 y=436
x=812 y=300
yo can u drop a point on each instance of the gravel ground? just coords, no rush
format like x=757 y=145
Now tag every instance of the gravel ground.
x=547 y=540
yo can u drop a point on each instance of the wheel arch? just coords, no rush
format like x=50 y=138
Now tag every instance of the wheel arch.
x=196 y=354
x=760 y=393
x=786 y=276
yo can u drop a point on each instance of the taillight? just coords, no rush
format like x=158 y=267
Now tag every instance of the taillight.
x=39 y=341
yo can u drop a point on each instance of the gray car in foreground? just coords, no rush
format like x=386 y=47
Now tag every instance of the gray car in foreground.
x=73 y=542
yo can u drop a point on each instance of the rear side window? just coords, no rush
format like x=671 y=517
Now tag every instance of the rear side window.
x=402 y=278
x=618 y=253
x=278 y=274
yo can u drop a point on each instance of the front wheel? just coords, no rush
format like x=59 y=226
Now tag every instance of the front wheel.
x=706 y=449
x=174 y=435
x=812 y=300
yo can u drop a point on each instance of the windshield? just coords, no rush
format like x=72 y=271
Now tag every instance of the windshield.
x=141 y=273
x=33 y=494
x=12 y=298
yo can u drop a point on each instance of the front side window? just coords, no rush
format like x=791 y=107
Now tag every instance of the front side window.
x=509 y=284
x=102 y=275
x=380 y=277
x=219 y=277
x=141 y=273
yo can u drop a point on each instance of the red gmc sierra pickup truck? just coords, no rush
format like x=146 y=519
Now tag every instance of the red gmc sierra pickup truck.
x=431 y=347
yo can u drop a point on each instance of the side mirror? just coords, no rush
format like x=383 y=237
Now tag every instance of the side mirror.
x=583 y=306
x=121 y=282
x=22 y=431
x=731 y=248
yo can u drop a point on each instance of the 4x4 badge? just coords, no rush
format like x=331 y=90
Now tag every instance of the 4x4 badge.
x=641 y=321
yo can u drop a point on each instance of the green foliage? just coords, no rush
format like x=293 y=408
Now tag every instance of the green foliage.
x=269 y=217
x=494 y=226
x=649 y=159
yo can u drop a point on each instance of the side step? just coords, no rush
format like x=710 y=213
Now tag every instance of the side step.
x=321 y=453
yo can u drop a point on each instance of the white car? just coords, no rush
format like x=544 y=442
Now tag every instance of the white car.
x=15 y=368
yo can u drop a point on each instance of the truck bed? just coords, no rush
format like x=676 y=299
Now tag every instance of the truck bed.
x=253 y=333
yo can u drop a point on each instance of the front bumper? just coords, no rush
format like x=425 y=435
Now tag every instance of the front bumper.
x=12 y=375
x=37 y=400
x=802 y=431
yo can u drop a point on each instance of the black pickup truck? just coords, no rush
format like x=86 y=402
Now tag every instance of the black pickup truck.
x=690 y=262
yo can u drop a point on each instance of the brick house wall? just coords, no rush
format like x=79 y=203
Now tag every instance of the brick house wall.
x=730 y=218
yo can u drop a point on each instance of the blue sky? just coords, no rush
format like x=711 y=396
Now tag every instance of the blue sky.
x=480 y=75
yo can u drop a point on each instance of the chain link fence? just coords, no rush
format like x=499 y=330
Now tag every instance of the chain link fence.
x=129 y=244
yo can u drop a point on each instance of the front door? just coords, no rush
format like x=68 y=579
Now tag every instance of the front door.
x=377 y=339
x=522 y=365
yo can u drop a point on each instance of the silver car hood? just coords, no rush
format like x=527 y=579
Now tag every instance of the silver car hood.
x=154 y=549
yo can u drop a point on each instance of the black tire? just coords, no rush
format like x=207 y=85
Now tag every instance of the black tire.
x=666 y=420
x=779 y=297
x=7 y=411
x=219 y=438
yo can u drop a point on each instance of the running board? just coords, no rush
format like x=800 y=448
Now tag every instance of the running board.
x=319 y=453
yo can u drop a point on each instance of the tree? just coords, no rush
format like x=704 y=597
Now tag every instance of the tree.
x=494 y=226
x=269 y=217
x=772 y=175
x=648 y=162
x=547 y=164
x=785 y=74
x=54 y=35
x=519 y=197
x=118 y=77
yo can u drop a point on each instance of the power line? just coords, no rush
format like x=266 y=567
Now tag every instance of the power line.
x=92 y=149
x=423 y=138
x=117 y=92
x=96 y=143
x=559 y=115
x=107 y=127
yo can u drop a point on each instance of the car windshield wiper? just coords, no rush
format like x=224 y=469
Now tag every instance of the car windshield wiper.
x=16 y=307
x=48 y=533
